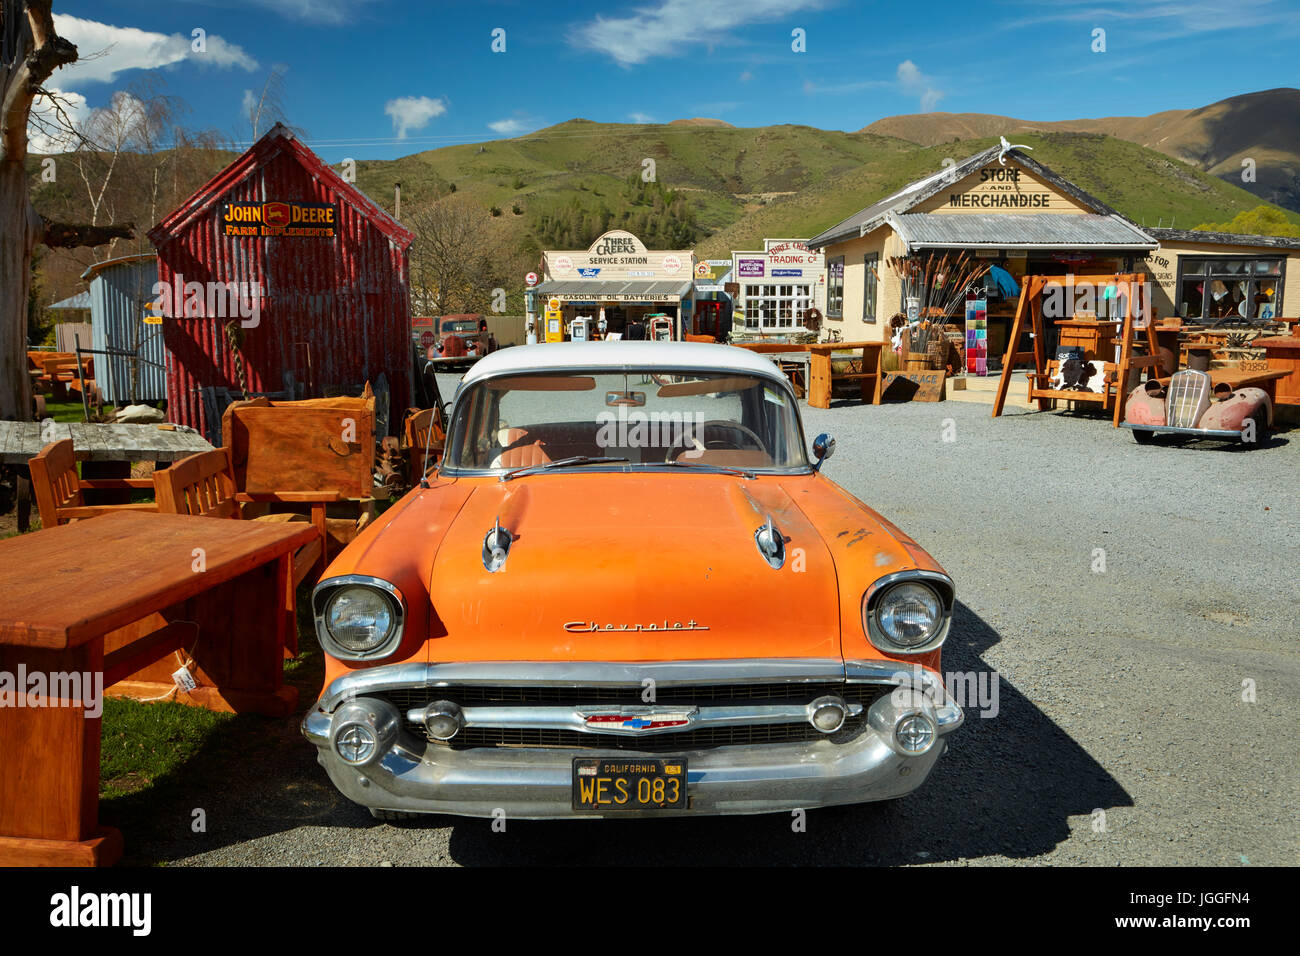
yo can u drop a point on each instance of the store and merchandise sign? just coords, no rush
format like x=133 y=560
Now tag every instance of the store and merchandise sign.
x=276 y=218
x=750 y=268
x=1002 y=187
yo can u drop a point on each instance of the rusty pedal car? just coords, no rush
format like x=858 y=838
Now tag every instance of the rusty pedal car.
x=1193 y=407
x=626 y=590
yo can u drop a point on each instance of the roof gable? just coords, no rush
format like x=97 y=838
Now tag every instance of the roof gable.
x=916 y=193
x=279 y=140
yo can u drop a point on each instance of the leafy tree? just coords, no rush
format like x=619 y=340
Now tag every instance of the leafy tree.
x=1260 y=221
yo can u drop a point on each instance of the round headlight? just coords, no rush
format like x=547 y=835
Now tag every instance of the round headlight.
x=360 y=619
x=910 y=614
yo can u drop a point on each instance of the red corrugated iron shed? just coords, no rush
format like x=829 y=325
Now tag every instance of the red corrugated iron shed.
x=334 y=311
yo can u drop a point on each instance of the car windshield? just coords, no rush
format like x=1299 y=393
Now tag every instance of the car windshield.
x=467 y=325
x=707 y=419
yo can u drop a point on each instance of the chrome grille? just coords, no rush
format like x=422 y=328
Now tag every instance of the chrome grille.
x=1189 y=396
x=551 y=696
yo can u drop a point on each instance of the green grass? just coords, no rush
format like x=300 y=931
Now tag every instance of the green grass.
x=68 y=411
x=721 y=171
x=152 y=753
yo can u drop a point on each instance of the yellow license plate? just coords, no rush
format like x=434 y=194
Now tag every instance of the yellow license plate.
x=604 y=783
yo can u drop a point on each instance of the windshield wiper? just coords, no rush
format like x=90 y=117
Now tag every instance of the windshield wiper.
x=560 y=463
x=706 y=466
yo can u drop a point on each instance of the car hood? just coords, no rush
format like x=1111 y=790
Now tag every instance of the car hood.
x=618 y=566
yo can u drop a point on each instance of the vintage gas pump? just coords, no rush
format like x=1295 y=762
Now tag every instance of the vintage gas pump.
x=580 y=329
x=554 y=321
x=661 y=327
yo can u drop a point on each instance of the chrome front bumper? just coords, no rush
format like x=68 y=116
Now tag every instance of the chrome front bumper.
x=412 y=774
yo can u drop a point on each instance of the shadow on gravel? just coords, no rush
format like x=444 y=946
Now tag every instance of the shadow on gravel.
x=1006 y=787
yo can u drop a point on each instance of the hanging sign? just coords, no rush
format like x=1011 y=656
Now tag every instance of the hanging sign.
x=289 y=219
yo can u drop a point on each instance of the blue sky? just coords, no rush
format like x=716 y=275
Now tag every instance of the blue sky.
x=383 y=78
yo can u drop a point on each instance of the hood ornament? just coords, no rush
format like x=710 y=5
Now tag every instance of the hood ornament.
x=771 y=544
x=496 y=546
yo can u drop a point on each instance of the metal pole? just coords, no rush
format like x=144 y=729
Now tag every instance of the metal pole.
x=81 y=376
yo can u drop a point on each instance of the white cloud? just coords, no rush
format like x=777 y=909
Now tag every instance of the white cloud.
x=128 y=48
x=640 y=118
x=315 y=11
x=915 y=83
x=413 y=112
x=45 y=130
x=508 y=127
x=670 y=27
x=746 y=76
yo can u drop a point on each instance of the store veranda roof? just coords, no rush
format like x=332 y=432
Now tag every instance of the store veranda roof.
x=1019 y=231
x=620 y=289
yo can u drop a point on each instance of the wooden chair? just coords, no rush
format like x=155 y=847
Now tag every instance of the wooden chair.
x=58 y=487
x=203 y=485
x=424 y=427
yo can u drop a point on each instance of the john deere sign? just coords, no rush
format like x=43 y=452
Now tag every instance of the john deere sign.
x=291 y=219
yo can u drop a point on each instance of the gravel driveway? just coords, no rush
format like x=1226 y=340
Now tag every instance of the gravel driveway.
x=1121 y=690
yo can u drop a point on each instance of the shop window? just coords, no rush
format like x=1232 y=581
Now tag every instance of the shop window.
x=835 y=288
x=1232 y=289
x=870 y=280
x=775 y=308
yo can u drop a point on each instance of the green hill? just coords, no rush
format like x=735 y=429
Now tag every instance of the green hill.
x=777 y=181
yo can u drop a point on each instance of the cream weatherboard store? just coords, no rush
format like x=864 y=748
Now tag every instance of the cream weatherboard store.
x=613 y=287
x=779 y=290
x=1003 y=208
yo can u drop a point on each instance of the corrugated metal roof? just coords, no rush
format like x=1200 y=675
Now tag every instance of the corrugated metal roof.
x=911 y=195
x=1019 y=230
x=589 y=289
x=96 y=267
x=1226 y=238
x=79 y=301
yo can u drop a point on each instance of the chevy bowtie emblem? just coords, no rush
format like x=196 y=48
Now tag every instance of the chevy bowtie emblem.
x=638 y=720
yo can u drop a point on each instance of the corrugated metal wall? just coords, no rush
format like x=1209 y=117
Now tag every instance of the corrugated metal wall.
x=118 y=296
x=66 y=336
x=333 y=312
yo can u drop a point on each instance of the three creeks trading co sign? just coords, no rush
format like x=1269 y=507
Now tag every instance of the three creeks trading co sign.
x=276 y=218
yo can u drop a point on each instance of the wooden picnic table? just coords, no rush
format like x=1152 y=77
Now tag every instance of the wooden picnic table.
x=19 y=441
x=92 y=442
x=132 y=620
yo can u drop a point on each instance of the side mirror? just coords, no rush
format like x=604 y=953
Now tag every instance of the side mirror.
x=823 y=448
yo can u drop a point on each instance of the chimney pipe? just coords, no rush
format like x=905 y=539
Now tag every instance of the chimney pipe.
x=397 y=201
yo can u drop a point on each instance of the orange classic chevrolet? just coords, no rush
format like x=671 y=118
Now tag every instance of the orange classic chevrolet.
x=627 y=591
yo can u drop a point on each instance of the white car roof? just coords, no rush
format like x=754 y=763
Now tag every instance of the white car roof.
x=619 y=354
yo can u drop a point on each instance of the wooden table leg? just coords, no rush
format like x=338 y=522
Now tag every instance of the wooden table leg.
x=318 y=519
x=23 y=494
x=49 y=773
x=880 y=373
x=819 y=388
